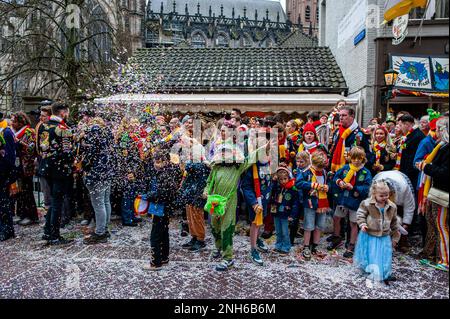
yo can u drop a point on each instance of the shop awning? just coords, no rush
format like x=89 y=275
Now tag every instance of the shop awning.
x=277 y=103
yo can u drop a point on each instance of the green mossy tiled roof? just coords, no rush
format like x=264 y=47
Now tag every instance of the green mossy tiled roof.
x=283 y=70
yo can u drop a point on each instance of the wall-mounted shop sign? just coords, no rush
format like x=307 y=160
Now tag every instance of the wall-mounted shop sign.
x=421 y=73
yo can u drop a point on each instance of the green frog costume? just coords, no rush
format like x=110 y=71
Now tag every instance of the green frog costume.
x=223 y=180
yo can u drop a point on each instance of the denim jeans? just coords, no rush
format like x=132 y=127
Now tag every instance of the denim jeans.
x=129 y=195
x=59 y=187
x=282 y=229
x=100 y=199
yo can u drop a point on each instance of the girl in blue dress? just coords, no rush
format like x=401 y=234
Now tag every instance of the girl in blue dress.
x=377 y=219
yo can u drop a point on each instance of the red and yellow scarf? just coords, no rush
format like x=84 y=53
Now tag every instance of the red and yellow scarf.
x=257 y=186
x=311 y=148
x=401 y=147
x=350 y=178
x=323 y=205
x=378 y=147
x=425 y=183
x=338 y=160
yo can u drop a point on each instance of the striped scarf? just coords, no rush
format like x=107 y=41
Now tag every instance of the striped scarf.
x=317 y=183
x=338 y=160
x=378 y=147
x=429 y=160
x=401 y=147
x=311 y=148
x=351 y=175
x=257 y=186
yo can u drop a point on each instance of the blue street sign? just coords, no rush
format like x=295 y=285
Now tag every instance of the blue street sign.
x=359 y=37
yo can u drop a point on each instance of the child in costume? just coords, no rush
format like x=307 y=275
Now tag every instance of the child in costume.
x=284 y=207
x=313 y=186
x=227 y=165
x=163 y=188
x=377 y=219
x=351 y=186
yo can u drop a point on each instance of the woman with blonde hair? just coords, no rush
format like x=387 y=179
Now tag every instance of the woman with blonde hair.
x=384 y=151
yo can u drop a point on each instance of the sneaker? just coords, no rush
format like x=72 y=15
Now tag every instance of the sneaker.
x=225 y=265
x=335 y=243
x=349 y=252
x=16 y=219
x=216 y=254
x=152 y=267
x=256 y=258
x=189 y=244
x=198 y=245
x=184 y=229
x=331 y=238
x=266 y=235
x=261 y=246
x=84 y=222
x=26 y=222
x=95 y=239
x=59 y=241
x=306 y=253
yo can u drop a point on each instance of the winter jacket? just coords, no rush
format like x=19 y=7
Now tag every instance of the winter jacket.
x=438 y=169
x=163 y=188
x=191 y=192
x=7 y=158
x=248 y=188
x=56 y=147
x=98 y=163
x=356 y=138
x=284 y=202
x=425 y=148
x=351 y=198
x=407 y=163
x=26 y=152
x=378 y=224
x=303 y=184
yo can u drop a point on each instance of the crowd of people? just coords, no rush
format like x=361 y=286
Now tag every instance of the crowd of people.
x=379 y=184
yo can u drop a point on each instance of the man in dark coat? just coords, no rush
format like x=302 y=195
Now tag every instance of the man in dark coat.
x=56 y=166
x=411 y=140
x=7 y=177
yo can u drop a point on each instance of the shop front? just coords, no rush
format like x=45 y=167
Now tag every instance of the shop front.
x=422 y=70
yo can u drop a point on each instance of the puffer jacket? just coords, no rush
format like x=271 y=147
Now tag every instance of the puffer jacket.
x=378 y=224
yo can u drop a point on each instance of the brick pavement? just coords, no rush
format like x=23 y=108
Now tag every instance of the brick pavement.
x=28 y=269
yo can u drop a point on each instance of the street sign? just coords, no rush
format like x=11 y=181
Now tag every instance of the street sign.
x=359 y=37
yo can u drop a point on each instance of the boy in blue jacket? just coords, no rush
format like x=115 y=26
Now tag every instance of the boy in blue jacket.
x=351 y=185
x=313 y=186
x=284 y=207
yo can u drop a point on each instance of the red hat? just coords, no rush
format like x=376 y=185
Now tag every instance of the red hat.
x=309 y=128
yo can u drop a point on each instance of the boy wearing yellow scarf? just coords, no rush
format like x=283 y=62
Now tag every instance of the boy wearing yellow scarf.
x=351 y=186
x=313 y=185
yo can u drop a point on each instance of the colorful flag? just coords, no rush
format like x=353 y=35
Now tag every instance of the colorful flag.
x=397 y=8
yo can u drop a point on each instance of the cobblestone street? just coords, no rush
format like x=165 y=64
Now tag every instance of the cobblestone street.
x=28 y=269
